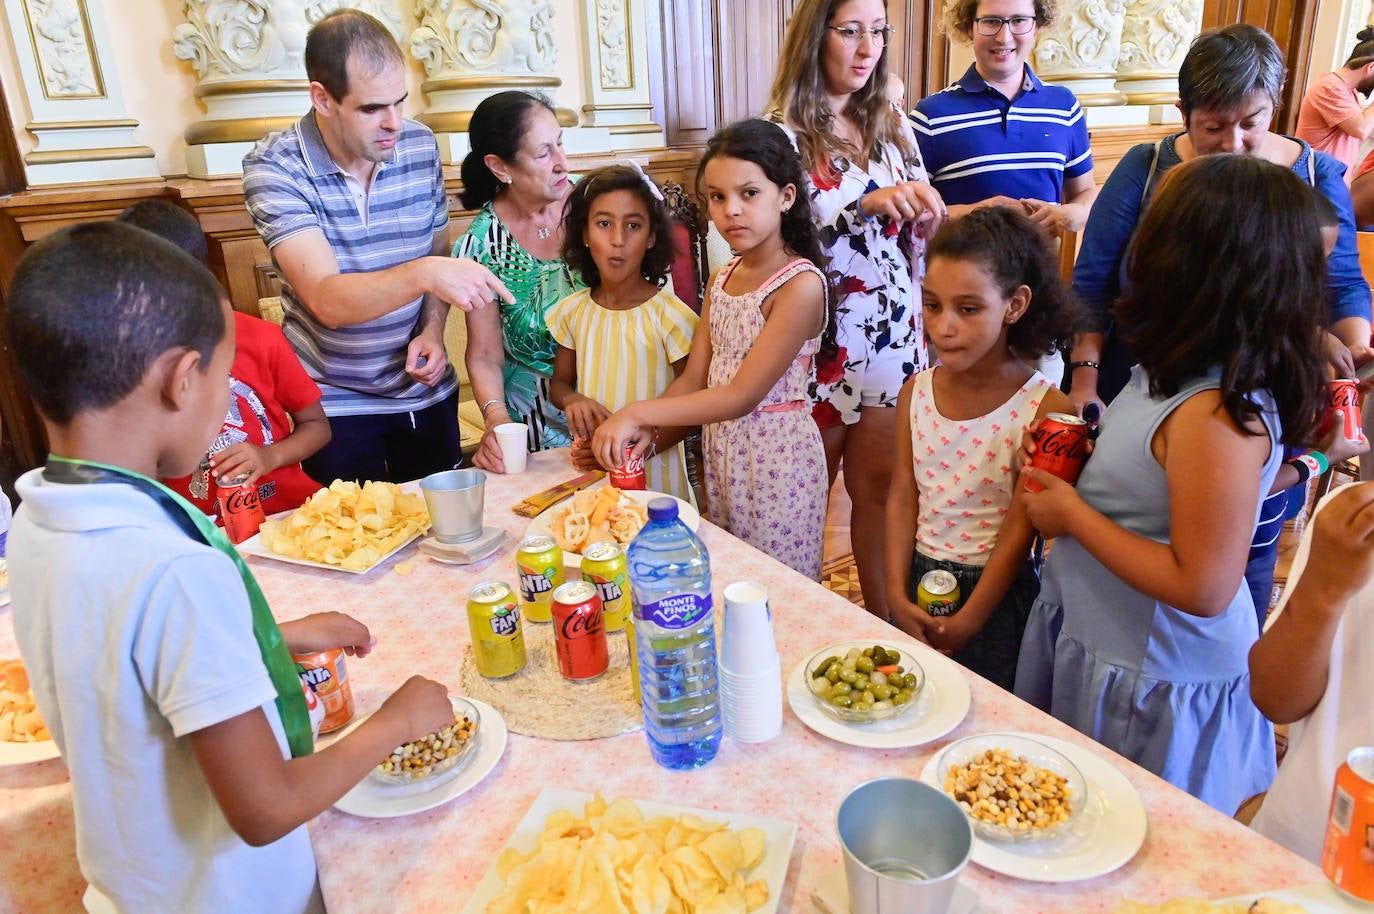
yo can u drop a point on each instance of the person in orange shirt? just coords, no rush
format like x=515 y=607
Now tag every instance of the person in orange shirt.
x=1332 y=118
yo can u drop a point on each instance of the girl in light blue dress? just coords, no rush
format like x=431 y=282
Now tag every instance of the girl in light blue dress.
x=1140 y=635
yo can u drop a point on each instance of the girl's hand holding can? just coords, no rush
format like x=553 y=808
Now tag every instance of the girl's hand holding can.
x=613 y=436
x=1049 y=509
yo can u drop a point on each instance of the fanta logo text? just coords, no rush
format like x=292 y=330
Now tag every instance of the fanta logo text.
x=609 y=590
x=316 y=677
x=532 y=583
x=506 y=622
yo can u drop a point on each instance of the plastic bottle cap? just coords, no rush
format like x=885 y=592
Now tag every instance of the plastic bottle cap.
x=663 y=509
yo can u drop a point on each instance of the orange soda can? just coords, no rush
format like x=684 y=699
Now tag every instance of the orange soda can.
x=1350 y=826
x=1345 y=408
x=1061 y=446
x=630 y=474
x=239 y=508
x=326 y=673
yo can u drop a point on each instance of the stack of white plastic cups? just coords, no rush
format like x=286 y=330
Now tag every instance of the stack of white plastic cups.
x=750 y=671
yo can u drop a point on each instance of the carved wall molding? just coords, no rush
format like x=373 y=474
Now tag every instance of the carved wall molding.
x=1155 y=36
x=66 y=61
x=613 y=44
x=1080 y=51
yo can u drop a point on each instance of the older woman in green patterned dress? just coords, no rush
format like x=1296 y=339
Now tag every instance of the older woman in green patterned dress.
x=517 y=173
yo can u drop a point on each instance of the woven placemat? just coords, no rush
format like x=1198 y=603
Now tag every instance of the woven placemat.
x=538 y=701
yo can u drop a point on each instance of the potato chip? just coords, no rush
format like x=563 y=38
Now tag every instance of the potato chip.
x=611 y=860
x=20 y=721
x=347 y=525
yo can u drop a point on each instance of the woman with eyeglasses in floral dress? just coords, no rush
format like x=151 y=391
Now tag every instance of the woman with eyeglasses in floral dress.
x=871 y=198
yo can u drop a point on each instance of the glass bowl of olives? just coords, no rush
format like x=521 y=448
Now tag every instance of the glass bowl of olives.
x=860 y=685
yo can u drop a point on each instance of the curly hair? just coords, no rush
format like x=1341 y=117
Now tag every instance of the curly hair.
x=958 y=16
x=658 y=258
x=1227 y=269
x=798 y=96
x=1015 y=252
x=766 y=145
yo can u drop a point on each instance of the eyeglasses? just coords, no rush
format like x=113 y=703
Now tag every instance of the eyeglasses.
x=852 y=35
x=989 y=26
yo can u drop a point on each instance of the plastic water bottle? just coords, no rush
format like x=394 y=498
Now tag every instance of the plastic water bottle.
x=675 y=631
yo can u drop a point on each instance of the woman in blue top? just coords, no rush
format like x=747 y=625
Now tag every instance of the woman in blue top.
x=1140 y=635
x=1228 y=88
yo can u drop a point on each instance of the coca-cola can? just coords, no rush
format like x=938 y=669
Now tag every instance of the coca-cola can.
x=579 y=631
x=630 y=474
x=1061 y=445
x=239 y=508
x=1345 y=408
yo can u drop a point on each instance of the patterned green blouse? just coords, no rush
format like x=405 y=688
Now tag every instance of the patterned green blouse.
x=529 y=348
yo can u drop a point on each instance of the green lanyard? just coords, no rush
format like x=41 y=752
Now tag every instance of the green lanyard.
x=295 y=716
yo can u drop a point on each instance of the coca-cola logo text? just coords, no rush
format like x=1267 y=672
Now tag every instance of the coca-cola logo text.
x=1345 y=396
x=1064 y=443
x=240 y=500
x=581 y=625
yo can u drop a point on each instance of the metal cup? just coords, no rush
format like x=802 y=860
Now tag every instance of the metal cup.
x=905 y=843
x=455 y=500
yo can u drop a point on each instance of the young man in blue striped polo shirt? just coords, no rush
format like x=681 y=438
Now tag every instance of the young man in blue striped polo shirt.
x=351 y=202
x=1001 y=136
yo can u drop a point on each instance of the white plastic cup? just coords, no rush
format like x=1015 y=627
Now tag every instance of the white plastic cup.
x=905 y=844
x=455 y=499
x=746 y=638
x=514 y=441
x=751 y=705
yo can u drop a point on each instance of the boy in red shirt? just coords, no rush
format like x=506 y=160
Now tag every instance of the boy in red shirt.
x=267 y=384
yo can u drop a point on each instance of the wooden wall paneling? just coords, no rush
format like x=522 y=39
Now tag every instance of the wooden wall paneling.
x=749 y=35
x=683 y=76
x=1290 y=22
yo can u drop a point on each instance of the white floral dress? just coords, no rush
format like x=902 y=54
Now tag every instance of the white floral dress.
x=765 y=472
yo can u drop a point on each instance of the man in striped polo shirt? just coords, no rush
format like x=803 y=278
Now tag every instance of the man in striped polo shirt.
x=1001 y=136
x=350 y=200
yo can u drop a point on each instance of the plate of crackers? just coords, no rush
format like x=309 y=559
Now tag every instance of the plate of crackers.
x=602 y=515
x=24 y=737
x=635 y=855
x=345 y=527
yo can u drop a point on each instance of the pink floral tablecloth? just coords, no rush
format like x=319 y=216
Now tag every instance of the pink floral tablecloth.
x=432 y=861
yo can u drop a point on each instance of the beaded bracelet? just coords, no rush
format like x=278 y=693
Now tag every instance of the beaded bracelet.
x=1085 y=364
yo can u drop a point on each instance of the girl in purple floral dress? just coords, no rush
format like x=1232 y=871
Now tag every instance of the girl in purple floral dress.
x=746 y=377
x=873 y=207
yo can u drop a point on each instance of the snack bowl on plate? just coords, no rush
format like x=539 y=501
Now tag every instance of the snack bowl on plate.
x=434 y=753
x=843 y=677
x=981 y=772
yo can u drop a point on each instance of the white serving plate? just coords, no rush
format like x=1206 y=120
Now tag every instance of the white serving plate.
x=27 y=753
x=254 y=546
x=772 y=869
x=543 y=523
x=941 y=706
x=372 y=800
x=1103 y=837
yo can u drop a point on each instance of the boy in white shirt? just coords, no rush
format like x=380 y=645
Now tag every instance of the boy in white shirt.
x=152 y=654
x=1313 y=667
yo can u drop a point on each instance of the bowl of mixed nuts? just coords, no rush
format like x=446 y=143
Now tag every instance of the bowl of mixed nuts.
x=1011 y=787
x=433 y=753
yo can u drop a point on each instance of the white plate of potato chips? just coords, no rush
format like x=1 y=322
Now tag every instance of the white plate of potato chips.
x=24 y=738
x=602 y=514
x=717 y=861
x=346 y=527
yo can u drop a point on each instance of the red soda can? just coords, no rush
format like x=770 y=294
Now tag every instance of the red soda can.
x=630 y=474
x=1345 y=408
x=1061 y=445
x=579 y=631
x=1350 y=826
x=239 y=508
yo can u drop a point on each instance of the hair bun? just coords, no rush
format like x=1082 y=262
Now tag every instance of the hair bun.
x=1366 y=34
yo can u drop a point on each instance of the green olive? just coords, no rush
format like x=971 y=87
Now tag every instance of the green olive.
x=824 y=665
x=864 y=664
x=909 y=681
x=841 y=701
x=841 y=688
x=882 y=692
x=848 y=676
x=865 y=700
x=860 y=682
x=902 y=697
x=833 y=673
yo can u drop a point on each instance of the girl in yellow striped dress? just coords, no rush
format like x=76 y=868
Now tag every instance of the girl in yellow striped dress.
x=624 y=338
